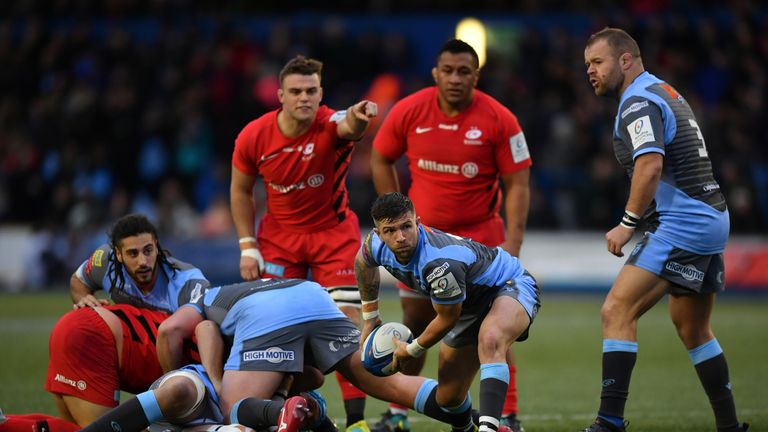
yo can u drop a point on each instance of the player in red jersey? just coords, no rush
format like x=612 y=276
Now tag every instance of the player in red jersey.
x=302 y=153
x=96 y=352
x=459 y=142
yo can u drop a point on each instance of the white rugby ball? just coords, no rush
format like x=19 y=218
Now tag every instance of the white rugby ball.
x=378 y=347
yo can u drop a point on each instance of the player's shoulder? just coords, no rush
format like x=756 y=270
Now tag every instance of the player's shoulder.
x=259 y=124
x=490 y=106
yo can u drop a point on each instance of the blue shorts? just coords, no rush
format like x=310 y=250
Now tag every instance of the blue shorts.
x=523 y=289
x=321 y=344
x=688 y=272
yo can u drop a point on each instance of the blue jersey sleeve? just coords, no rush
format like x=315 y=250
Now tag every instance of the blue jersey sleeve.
x=93 y=271
x=641 y=126
x=446 y=280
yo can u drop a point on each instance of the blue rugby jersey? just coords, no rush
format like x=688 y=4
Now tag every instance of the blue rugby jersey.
x=689 y=210
x=448 y=268
x=177 y=284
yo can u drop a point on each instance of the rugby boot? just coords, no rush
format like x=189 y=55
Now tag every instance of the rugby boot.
x=294 y=415
x=601 y=425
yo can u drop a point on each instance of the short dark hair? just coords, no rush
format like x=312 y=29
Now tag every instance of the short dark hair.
x=390 y=206
x=458 y=46
x=619 y=41
x=301 y=65
x=128 y=226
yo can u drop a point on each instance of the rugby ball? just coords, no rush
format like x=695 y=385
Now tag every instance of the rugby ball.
x=379 y=347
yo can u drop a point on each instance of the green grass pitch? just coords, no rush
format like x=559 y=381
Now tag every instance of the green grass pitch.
x=558 y=367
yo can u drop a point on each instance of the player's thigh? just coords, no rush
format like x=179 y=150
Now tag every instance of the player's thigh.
x=456 y=369
x=691 y=316
x=236 y=385
x=282 y=252
x=634 y=291
x=331 y=254
x=82 y=411
x=505 y=322
x=418 y=312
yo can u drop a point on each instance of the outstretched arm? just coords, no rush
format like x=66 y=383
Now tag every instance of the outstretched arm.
x=354 y=124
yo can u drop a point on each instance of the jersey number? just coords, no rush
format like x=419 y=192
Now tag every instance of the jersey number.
x=703 y=149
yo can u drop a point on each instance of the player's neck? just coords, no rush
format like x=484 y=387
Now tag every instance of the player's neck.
x=290 y=127
x=453 y=109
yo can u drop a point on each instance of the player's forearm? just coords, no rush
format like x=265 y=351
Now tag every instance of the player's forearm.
x=77 y=289
x=437 y=329
x=211 y=348
x=645 y=181
x=355 y=127
x=384 y=174
x=170 y=347
x=368 y=281
x=243 y=213
x=516 y=205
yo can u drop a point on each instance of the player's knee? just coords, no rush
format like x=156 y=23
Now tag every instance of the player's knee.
x=179 y=394
x=693 y=334
x=449 y=400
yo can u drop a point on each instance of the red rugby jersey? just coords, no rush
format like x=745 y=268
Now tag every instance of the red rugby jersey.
x=455 y=162
x=304 y=176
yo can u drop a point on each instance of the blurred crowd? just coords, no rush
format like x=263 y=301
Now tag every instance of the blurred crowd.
x=118 y=106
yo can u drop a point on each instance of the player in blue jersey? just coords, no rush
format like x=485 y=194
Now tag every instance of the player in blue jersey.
x=279 y=327
x=134 y=269
x=484 y=300
x=657 y=140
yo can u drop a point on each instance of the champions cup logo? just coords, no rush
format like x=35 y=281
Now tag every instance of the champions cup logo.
x=688 y=272
x=272 y=355
x=638 y=126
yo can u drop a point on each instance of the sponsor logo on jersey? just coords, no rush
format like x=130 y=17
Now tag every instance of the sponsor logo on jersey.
x=197 y=292
x=421 y=130
x=97 y=257
x=671 y=91
x=709 y=187
x=472 y=136
x=452 y=127
x=637 y=106
x=428 y=165
x=353 y=337
x=315 y=180
x=641 y=132
x=689 y=272
x=115 y=426
x=437 y=271
x=273 y=355
x=80 y=384
x=446 y=286
x=469 y=169
x=519 y=147
x=285 y=189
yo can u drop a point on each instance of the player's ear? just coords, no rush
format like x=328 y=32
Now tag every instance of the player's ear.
x=320 y=91
x=280 y=95
x=376 y=230
x=118 y=255
x=434 y=74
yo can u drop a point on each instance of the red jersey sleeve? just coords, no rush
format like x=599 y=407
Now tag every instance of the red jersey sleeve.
x=245 y=155
x=511 y=148
x=390 y=140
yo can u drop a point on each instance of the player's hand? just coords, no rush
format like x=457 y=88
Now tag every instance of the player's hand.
x=617 y=238
x=90 y=301
x=365 y=110
x=368 y=326
x=400 y=357
x=251 y=264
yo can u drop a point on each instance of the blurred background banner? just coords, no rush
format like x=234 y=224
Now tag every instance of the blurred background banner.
x=109 y=107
